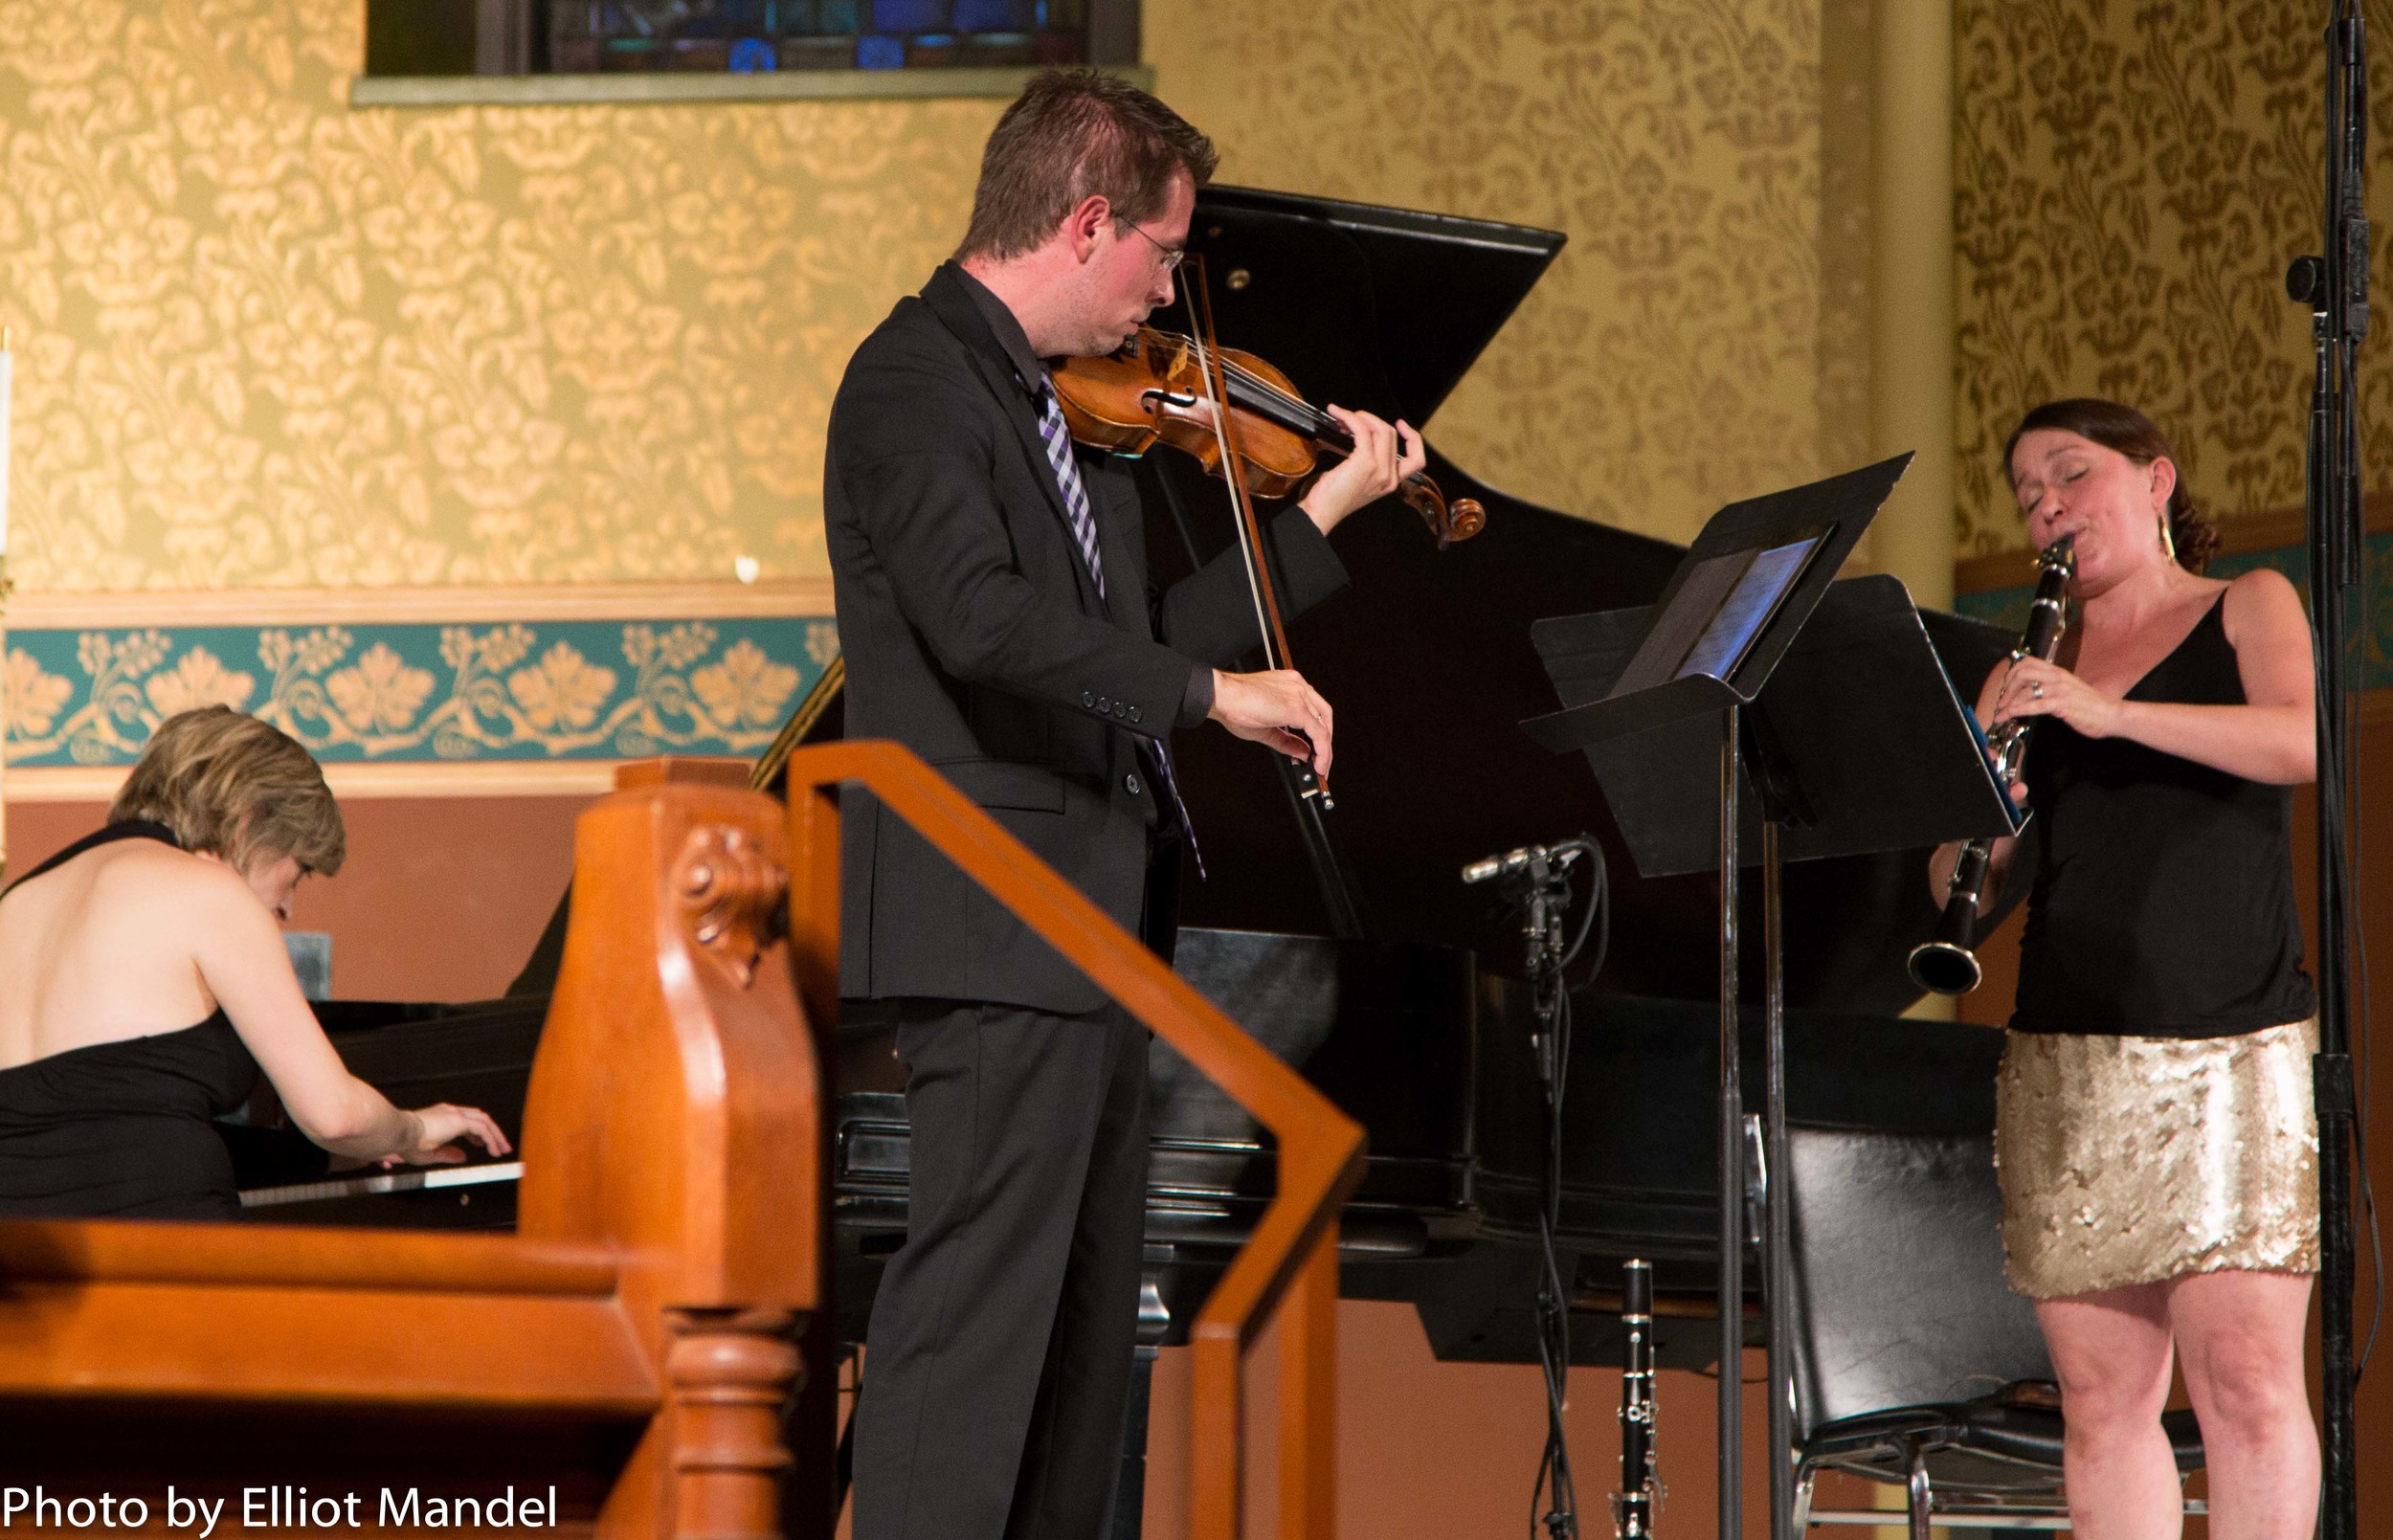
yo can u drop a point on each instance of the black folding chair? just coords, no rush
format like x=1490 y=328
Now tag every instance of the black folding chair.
x=1914 y=1363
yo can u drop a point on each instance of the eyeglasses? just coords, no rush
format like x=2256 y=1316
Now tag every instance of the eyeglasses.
x=1172 y=258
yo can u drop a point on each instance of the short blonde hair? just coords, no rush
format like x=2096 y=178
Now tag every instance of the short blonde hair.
x=233 y=786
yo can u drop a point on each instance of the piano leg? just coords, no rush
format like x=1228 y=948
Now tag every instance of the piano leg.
x=1154 y=1320
x=817 y=1483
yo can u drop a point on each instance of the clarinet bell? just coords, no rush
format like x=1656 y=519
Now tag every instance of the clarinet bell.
x=1945 y=964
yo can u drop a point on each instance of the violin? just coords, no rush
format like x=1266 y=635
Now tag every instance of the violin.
x=1154 y=392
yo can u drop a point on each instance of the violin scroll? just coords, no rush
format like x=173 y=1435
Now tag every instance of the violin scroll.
x=1447 y=522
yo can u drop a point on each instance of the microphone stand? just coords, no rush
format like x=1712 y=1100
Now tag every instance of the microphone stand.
x=2334 y=286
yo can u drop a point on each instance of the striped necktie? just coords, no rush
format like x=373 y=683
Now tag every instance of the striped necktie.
x=1068 y=481
x=1058 y=440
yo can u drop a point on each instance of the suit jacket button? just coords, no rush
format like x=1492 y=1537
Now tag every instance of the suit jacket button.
x=1130 y=783
x=1133 y=713
x=1103 y=703
x=1087 y=698
x=1120 y=710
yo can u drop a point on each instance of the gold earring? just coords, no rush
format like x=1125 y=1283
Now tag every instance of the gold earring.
x=2168 y=541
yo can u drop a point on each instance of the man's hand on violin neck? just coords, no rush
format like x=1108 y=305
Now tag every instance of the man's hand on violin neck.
x=1383 y=456
x=1278 y=708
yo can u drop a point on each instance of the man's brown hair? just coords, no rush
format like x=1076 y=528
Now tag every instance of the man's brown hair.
x=1069 y=135
x=237 y=788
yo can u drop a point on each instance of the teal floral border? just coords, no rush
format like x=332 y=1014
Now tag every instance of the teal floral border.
x=2369 y=646
x=417 y=693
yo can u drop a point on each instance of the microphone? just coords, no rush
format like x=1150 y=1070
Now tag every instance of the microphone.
x=1513 y=862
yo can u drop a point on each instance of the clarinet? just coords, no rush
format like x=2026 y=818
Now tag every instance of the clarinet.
x=1633 y=1507
x=1947 y=963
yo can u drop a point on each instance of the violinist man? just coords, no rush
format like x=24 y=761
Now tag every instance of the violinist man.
x=994 y=605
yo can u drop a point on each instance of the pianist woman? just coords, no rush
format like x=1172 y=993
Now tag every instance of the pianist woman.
x=2155 y=1130
x=110 y=952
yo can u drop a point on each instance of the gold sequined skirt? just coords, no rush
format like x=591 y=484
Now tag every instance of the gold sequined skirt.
x=2131 y=1160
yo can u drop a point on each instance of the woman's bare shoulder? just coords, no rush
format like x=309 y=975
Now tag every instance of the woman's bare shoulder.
x=2265 y=595
x=2262 y=585
x=146 y=873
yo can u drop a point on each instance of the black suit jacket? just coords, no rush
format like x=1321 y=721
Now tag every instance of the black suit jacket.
x=973 y=635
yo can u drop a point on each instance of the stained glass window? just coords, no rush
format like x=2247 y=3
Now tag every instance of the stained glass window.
x=594 y=36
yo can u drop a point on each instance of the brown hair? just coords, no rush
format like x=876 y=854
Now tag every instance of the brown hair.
x=2132 y=434
x=237 y=788
x=1069 y=135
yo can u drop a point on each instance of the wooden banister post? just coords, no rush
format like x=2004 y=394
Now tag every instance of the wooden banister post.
x=1309 y=1398
x=731 y=1373
x=1217 y=1472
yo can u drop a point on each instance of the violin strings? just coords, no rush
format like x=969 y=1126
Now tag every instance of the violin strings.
x=1242 y=512
x=1320 y=420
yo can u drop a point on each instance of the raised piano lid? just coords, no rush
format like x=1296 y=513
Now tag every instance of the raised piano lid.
x=1384 y=309
x=1426 y=655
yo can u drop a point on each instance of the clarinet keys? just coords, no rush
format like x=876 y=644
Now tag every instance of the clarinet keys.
x=1640 y=1497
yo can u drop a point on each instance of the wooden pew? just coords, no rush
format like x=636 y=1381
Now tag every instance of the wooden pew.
x=626 y=1357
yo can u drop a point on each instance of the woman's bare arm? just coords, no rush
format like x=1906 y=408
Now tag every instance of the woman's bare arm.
x=2271 y=739
x=243 y=962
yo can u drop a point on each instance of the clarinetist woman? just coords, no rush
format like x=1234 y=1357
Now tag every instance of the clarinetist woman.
x=2155 y=1130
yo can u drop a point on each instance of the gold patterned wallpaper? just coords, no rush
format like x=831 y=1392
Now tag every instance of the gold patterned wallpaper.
x=266 y=339
x=2130 y=182
x=1702 y=337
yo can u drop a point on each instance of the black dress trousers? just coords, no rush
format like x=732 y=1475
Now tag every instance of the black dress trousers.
x=997 y=1369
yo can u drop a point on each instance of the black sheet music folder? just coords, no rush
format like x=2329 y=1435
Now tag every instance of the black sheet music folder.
x=1864 y=671
x=1733 y=607
x=1756 y=604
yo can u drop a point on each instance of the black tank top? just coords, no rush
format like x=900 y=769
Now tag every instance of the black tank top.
x=122 y=1130
x=2163 y=896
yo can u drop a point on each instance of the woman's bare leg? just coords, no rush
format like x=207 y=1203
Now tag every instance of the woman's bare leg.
x=2111 y=1352
x=2241 y=1335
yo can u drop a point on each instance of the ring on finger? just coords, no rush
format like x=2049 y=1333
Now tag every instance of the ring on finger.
x=2035 y=689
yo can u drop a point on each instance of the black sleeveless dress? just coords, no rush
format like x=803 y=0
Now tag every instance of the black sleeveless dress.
x=2163 y=896
x=122 y=1130
x=2153 y=1111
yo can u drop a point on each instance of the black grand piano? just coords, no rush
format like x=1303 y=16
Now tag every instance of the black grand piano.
x=1418 y=1028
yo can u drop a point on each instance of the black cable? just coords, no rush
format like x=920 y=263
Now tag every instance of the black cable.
x=2331 y=780
x=2350 y=879
x=1554 y=1496
x=2352 y=853
x=1598 y=888
x=1537 y=884
x=2349 y=855
x=1560 y=1520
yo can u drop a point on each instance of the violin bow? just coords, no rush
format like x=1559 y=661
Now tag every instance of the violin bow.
x=1216 y=386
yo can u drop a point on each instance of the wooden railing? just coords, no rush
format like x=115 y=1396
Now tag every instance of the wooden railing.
x=1291 y=1259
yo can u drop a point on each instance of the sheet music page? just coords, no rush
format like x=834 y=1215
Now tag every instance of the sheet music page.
x=1678 y=630
x=1760 y=588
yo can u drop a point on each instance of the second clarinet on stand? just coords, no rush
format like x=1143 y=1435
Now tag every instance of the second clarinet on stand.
x=1634 y=1504
x=1947 y=963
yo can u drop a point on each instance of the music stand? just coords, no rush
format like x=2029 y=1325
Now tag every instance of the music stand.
x=1829 y=729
